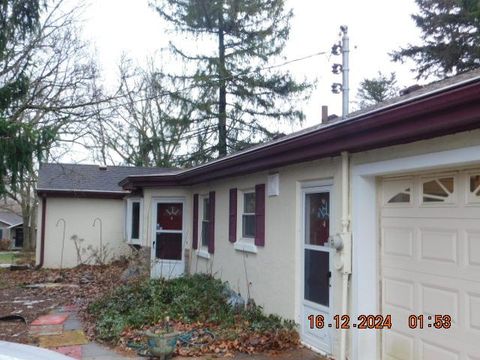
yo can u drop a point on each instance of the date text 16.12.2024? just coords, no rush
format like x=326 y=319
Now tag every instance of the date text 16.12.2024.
x=343 y=322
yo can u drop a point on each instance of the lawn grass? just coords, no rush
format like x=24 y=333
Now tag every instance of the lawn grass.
x=7 y=257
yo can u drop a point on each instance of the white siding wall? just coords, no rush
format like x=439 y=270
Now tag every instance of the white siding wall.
x=6 y=233
x=274 y=272
x=79 y=215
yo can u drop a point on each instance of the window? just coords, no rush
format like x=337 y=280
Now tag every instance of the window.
x=1 y=234
x=475 y=184
x=397 y=192
x=401 y=198
x=248 y=215
x=317 y=218
x=205 y=221
x=134 y=220
x=249 y=205
x=438 y=190
x=135 y=233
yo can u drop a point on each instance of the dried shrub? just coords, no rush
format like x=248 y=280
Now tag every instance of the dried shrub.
x=5 y=244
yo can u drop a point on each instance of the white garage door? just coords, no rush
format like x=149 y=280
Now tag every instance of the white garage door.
x=430 y=256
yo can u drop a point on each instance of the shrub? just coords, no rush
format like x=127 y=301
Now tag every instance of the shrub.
x=190 y=299
x=5 y=244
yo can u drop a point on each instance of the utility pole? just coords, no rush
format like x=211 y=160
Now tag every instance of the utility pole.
x=345 y=71
x=344 y=49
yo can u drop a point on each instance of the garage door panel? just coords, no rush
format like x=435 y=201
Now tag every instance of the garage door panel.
x=399 y=293
x=430 y=212
x=398 y=241
x=398 y=346
x=439 y=245
x=473 y=312
x=473 y=248
x=439 y=300
x=432 y=351
x=430 y=265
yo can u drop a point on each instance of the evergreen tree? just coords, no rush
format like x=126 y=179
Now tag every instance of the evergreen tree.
x=237 y=95
x=19 y=19
x=378 y=89
x=451 y=38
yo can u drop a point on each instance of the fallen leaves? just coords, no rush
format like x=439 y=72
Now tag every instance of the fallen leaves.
x=79 y=286
x=225 y=342
x=84 y=284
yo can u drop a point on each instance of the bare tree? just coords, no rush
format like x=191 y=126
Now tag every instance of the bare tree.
x=61 y=94
x=146 y=124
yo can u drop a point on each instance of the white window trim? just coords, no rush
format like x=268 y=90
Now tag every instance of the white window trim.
x=245 y=244
x=128 y=228
x=203 y=253
x=202 y=250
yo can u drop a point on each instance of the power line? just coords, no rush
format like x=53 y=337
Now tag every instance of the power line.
x=230 y=77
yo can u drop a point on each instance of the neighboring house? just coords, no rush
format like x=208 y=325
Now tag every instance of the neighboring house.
x=377 y=214
x=11 y=228
x=81 y=213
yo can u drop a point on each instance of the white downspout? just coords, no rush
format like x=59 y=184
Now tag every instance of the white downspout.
x=346 y=254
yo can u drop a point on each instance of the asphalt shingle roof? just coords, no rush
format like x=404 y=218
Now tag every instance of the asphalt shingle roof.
x=79 y=177
x=10 y=218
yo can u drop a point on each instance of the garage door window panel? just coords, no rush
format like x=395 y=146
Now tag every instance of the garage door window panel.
x=474 y=188
x=440 y=190
x=397 y=192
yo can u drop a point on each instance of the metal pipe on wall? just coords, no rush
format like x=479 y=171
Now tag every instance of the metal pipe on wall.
x=347 y=247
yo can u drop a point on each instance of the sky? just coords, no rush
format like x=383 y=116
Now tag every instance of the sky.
x=376 y=27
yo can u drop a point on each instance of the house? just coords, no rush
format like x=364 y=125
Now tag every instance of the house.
x=11 y=228
x=81 y=213
x=365 y=231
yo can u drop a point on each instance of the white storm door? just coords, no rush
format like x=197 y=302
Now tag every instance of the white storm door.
x=316 y=272
x=168 y=239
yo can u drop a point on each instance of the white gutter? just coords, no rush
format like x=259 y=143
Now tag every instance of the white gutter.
x=14 y=225
x=86 y=191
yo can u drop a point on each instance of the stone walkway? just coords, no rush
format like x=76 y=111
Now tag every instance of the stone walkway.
x=62 y=331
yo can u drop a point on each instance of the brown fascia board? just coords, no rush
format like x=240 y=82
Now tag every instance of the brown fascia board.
x=55 y=193
x=445 y=112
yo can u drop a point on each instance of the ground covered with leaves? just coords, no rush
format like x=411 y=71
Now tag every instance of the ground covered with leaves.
x=52 y=288
x=197 y=306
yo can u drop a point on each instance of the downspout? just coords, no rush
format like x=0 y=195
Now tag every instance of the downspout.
x=346 y=242
x=42 y=233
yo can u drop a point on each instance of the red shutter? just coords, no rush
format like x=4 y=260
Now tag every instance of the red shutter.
x=211 y=232
x=232 y=219
x=195 y=222
x=260 y=215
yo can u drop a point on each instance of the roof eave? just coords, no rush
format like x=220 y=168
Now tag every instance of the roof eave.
x=452 y=110
x=92 y=194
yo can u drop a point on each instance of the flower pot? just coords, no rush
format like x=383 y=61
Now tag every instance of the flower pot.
x=162 y=345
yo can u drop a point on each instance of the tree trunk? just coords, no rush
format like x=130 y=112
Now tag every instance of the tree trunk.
x=28 y=208
x=26 y=232
x=222 y=98
x=33 y=225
